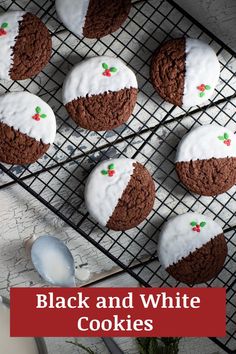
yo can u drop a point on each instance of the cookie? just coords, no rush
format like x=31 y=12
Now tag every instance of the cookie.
x=206 y=160
x=93 y=18
x=192 y=248
x=25 y=45
x=27 y=128
x=185 y=71
x=100 y=93
x=119 y=194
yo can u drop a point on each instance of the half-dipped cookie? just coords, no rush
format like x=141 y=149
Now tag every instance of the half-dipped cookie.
x=119 y=193
x=25 y=45
x=185 y=71
x=93 y=18
x=192 y=248
x=100 y=93
x=27 y=128
x=206 y=160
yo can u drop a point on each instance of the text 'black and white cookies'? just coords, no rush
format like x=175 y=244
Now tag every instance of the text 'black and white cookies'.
x=25 y=45
x=100 y=93
x=93 y=18
x=185 y=71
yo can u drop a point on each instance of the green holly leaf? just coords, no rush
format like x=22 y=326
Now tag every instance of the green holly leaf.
x=207 y=87
x=221 y=138
x=105 y=66
x=226 y=136
x=104 y=172
x=203 y=223
x=43 y=116
x=113 y=70
x=193 y=223
x=37 y=109
x=111 y=166
x=202 y=94
x=4 y=25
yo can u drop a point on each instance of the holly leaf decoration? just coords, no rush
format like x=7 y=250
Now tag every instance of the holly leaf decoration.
x=221 y=138
x=193 y=223
x=43 y=116
x=226 y=136
x=4 y=25
x=111 y=166
x=113 y=70
x=104 y=172
x=105 y=66
x=201 y=94
x=203 y=223
x=207 y=87
x=37 y=109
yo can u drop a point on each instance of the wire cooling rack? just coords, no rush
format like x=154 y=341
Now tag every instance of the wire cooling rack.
x=151 y=137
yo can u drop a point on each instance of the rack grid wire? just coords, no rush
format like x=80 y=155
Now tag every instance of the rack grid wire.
x=150 y=136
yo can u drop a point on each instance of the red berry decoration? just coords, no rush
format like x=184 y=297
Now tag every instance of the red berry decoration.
x=225 y=139
x=203 y=88
x=3 y=27
x=108 y=71
x=197 y=227
x=110 y=171
x=36 y=117
x=38 y=114
x=227 y=142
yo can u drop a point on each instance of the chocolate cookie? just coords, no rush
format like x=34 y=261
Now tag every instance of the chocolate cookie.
x=192 y=248
x=93 y=18
x=206 y=160
x=27 y=128
x=100 y=93
x=25 y=45
x=119 y=194
x=185 y=71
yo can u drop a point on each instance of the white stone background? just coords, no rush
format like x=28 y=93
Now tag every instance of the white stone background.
x=21 y=215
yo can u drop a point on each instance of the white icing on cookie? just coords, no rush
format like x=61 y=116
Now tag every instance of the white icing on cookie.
x=8 y=40
x=103 y=192
x=177 y=238
x=73 y=14
x=88 y=78
x=17 y=110
x=206 y=142
x=201 y=68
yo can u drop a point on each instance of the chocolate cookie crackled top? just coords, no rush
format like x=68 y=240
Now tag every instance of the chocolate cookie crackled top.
x=206 y=160
x=185 y=71
x=100 y=93
x=27 y=128
x=119 y=193
x=93 y=18
x=192 y=248
x=25 y=45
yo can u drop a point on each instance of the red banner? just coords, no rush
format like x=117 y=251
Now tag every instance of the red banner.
x=118 y=312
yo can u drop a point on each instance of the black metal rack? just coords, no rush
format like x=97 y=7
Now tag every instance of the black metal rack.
x=151 y=136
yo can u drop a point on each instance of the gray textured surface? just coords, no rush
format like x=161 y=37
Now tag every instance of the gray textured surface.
x=21 y=215
x=219 y=16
